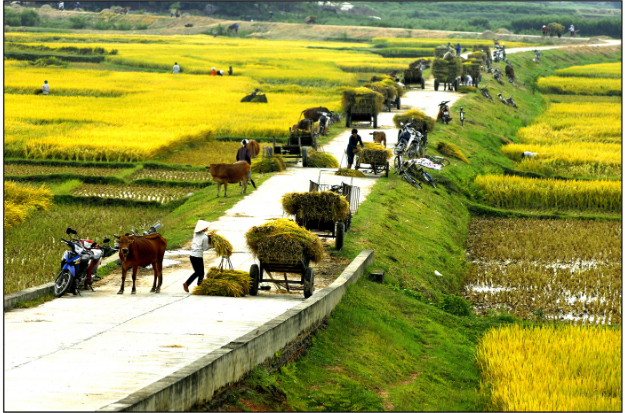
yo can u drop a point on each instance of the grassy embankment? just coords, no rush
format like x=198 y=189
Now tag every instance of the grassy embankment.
x=404 y=344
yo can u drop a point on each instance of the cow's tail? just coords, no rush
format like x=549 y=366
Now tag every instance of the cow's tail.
x=301 y=114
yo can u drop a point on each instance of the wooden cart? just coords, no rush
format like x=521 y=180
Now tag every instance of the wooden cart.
x=363 y=110
x=300 y=266
x=297 y=145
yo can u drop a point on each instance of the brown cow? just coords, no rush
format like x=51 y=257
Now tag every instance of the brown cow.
x=510 y=72
x=315 y=114
x=224 y=173
x=304 y=124
x=379 y=137
x=140 y=251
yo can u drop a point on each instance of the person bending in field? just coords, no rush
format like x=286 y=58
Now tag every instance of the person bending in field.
x=176 y=68
x=45 y=89
x=354 y=140
x=213 y=72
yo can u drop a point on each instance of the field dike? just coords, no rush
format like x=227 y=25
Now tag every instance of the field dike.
x=409 y=344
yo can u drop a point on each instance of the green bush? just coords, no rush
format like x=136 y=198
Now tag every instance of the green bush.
x=12 y=18
x=141 y=26
x=455 y=305
x=77 y=22
x=124 y=26
x=30 y=18
x=102 y=25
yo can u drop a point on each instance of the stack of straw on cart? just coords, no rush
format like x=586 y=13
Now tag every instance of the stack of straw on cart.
x=374 y=153
x=362 y=95
x=283 y=240
x=323 y=205
x=225 y=283
x=421 y=121
x=447 y=70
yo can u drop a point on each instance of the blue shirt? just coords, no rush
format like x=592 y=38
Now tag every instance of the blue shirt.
x=353 y=141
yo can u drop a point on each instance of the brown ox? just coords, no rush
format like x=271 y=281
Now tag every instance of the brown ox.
x=315 y=114
x=140 y=251
x=510 y=72
x=304 y=124
x=224 y=173
x=379 y=137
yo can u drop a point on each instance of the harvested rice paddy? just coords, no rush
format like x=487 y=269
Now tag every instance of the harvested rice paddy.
x=136 y=193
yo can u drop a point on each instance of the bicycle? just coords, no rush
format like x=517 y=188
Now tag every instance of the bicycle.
x=402 y=171
x=437 y=160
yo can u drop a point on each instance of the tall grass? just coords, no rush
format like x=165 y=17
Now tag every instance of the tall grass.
x=20 y=201
x=601 y=70
x=579 y=86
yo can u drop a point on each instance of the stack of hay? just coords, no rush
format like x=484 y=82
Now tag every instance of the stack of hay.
x=350 y=172
x=323 y=205
x=422 y=121
x=447 y=70
x=362 y=95
x=388 y=91
x=225 y=283
x=387 y=80
x=472 y=67
x=321 y=160
x=467 y=89
x=480 y=56
x=374 y=153
x=274 y=163
x=222 y=246
x=440 y=51
x=283 y=240
x=451 y=150
x=415 y=65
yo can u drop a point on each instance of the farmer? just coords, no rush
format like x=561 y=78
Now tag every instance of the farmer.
x=45 y=89
x=572 y=31
x=270 y=16
x=353 y=144
x=458 y=49
x=220 y=73
x=77 y=4
x=323 y=124
x=213 y=72
x=236 y=28
x=201 y=242
x=176 y=68
x=469 y=81
x=255 y=92
x=243 y=154
x=61 y=6
x=528 y=154
x=544 y=30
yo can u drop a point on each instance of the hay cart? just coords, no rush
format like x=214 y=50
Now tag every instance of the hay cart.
x=414 y=77
x=447 y=71
x=297 y=145
x=363 y=110
x=372 y=165
x=299 y=266
x=333 y=228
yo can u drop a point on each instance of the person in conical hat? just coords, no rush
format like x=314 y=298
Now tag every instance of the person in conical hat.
x=201 y=242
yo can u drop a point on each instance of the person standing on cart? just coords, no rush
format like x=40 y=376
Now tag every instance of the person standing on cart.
x=243 y=154
x=353 y=144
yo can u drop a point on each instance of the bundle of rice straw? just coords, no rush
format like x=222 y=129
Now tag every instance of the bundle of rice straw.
x=323 y=205
x=440 y=51
x=283 y=240
x=419 y=118
x=467 y=89
x=225 y=283
x=362 y=96
x=272 y=164
x=222 y=246
x=452 y=151
x=350 y=172
x=260 y=98
x=389 y=92
x=321 y=160
x=478 y=56
x=374 y=153
x=471 y=67
x=411 y=75
x=399 y=90
x=447 y=70
x=485 y=50
x=415 y=65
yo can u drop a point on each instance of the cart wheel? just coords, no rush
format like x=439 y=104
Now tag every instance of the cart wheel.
x=348 y=221
x=348 y=120
x=398 y=103
x=340 y=234
x=357 y=166
x=436 y=85
x=422 y=83
x=375 y=121
x=309 y=282
x=386 y=170
x=305 y=157
x=255 y=276
x=456 y=85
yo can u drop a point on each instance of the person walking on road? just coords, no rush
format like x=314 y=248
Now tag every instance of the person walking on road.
x=201 y=242
x=45 y=89
x=354 y=140
x=176 y=68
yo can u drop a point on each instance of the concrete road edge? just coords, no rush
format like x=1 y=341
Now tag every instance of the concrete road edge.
x=198 y=382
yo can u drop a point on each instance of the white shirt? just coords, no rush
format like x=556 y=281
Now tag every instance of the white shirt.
x=45 y=88
x=176 y=69
x=199 y=244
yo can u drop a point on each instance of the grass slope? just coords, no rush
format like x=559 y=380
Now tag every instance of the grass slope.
x=399 y=346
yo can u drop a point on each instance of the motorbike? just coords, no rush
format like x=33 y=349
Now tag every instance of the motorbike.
x=410 y=141
x=461 y=116
x=497 y=76
x=79 y=265
x=511 y=102
x=502 y=99
x=537 y=55
x=443 y=112
x=486 y=94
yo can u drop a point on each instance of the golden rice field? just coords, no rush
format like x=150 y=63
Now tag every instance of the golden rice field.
x=549 y=368
x=21 y=200
x=516 y=192
x=546 y=269
x=579 y=86
x=128 y=116
x=602 y=70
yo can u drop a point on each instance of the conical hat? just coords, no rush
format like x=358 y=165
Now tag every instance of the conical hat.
x=201 y=225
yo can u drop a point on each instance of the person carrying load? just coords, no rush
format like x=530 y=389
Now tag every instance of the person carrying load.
x=354 y=139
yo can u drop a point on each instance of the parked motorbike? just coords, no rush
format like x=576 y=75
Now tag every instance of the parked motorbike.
x=537 y=55
x=79 y=266
x=410 y=143
x=461 y=116
x=486 y=94
x=511 y=102
x=443 y=112
x=497 y=76
x=502 y=99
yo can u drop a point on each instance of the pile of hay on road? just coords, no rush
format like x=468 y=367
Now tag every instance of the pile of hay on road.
x=451 y=150
x=321 y=160
x=323 y=205
x=419 y=118
x=222 y=246
x=274 y=163
x=350 y=172
x=374 y=153
x=225 y=283
x=362 y=96
x=447 y=70
x=284 y=241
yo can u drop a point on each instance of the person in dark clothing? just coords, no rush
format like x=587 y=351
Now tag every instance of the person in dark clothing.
x=244 y=154
x=353 y=144
x=458 y=49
